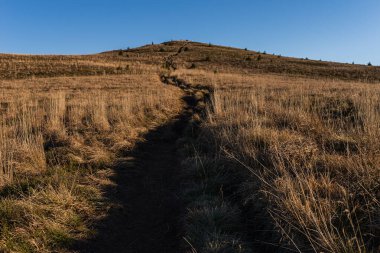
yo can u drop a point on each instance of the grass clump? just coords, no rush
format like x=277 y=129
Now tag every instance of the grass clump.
x=212 y=223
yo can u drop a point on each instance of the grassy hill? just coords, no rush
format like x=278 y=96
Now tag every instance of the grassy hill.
x=193 y=55
x=188 y=147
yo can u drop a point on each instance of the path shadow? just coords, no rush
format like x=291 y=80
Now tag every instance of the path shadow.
x=148 y=206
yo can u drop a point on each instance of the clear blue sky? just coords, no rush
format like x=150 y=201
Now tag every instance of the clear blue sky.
x=339 y=30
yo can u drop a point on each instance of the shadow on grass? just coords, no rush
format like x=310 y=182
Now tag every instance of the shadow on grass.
x=146 y=208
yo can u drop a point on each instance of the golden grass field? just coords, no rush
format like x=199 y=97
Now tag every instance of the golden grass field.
x=58 y=137
x=283 y=157
x=311 y=152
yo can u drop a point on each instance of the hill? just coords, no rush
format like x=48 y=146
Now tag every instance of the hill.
x=188 y=147
x=194 y=55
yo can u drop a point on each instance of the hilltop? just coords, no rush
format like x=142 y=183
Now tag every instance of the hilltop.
x=194 y=55
x=229 y=59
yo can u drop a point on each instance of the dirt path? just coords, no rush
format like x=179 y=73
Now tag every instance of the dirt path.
x=147 y=216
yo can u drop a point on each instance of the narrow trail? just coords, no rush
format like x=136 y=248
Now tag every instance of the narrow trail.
x=148 y=208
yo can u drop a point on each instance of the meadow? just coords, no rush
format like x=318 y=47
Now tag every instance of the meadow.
x=301 y=155
x=59 y=137
x=272 y=154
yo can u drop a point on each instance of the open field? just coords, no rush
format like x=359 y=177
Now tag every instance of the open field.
x=188 y=147
x=307 y=152
x=59 y=139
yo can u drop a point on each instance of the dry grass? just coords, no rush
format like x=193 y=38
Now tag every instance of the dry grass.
x=34 y=66
x=311 y=148
x=59 y=137
x=296 y=158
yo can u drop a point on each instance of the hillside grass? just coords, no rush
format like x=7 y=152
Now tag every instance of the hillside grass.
x=299 y=156
x=284 y=158
x=59 y=138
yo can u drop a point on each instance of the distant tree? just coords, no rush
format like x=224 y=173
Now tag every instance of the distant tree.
x=209 y=44
x=265 y=52
x=306 y=58
x=353 y=63
x=246 y=49
x=152 y=43
x=369 y=64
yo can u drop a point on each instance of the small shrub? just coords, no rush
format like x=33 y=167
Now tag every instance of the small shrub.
x=162 y=50
x=259 y=57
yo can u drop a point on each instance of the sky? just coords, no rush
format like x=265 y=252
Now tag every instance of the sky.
x=334 y=30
